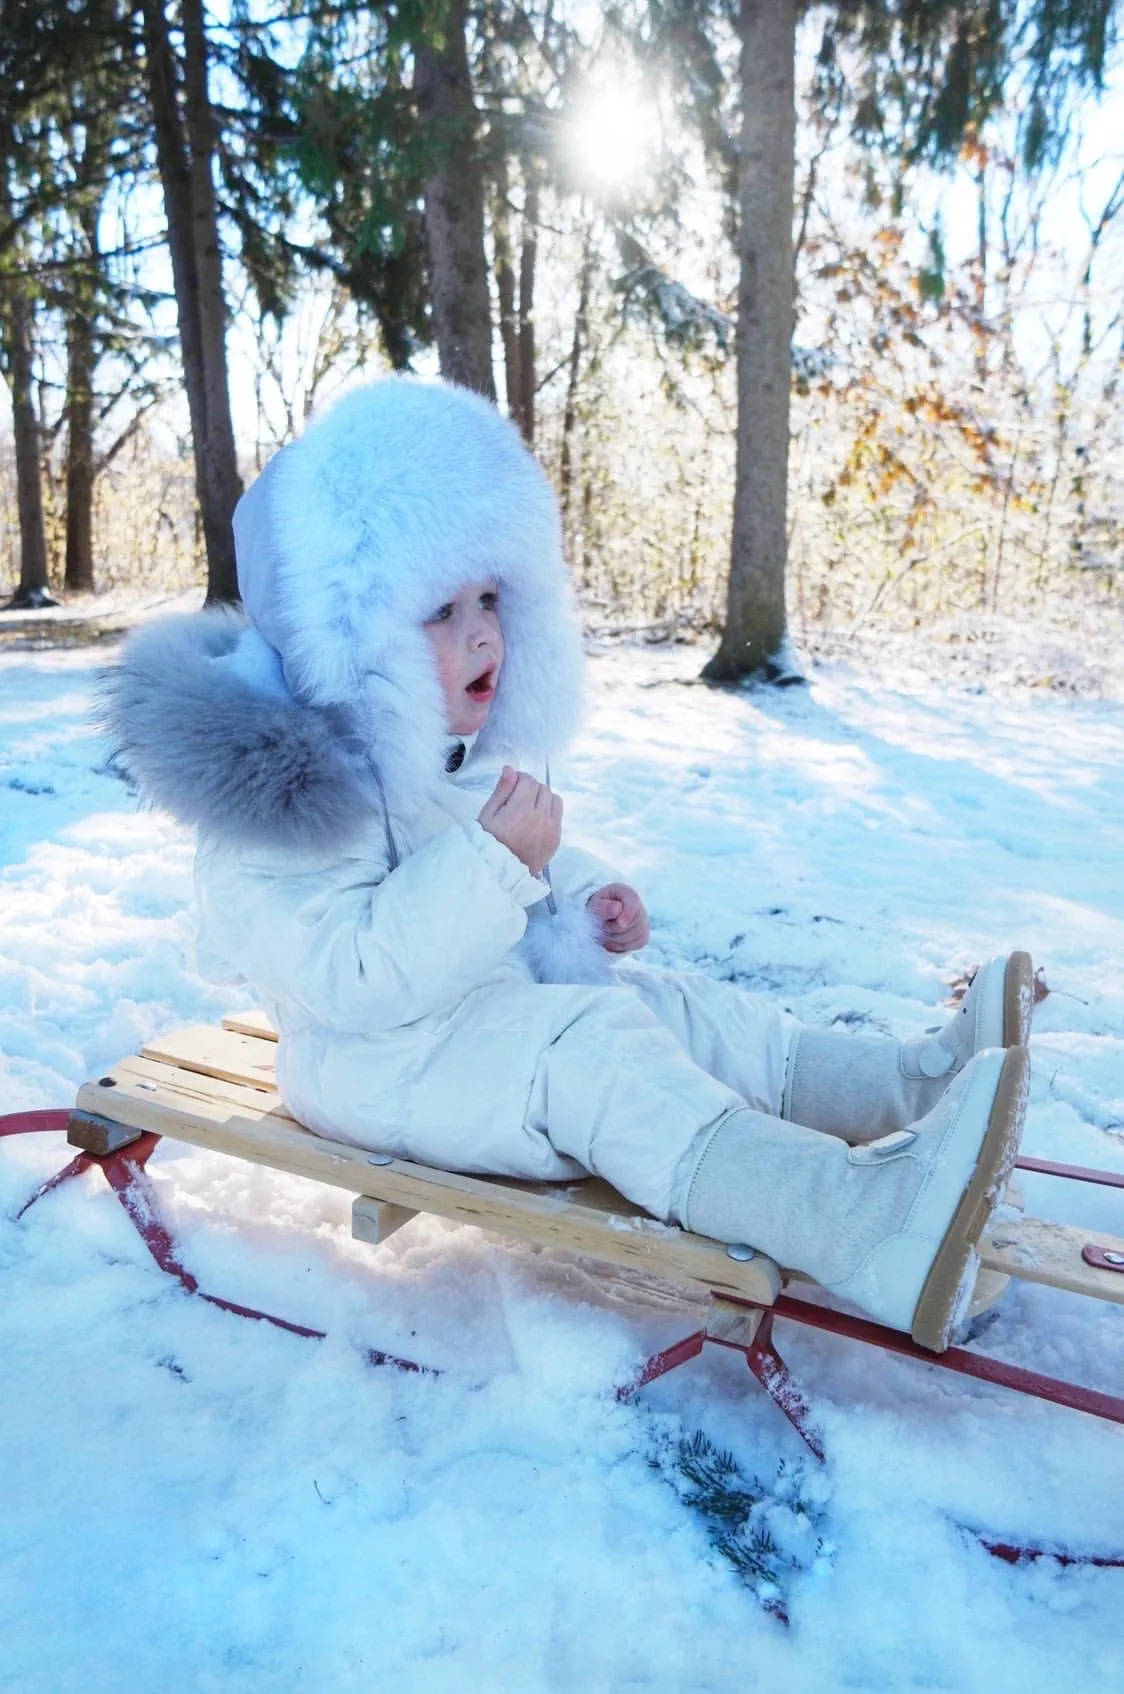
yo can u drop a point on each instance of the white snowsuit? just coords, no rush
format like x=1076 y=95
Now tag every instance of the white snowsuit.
x=409 y=1022
x=344 y=874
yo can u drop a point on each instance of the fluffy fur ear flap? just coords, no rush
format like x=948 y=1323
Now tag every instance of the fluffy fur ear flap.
x=564 y=946
x=210 y=734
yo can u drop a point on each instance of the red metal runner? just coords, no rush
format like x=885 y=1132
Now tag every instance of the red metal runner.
x=660 y=1363
x=1013 y=1554
x=780 y=1385
x=979 y=1365
x=1076 y=1173
x=126 y=1174
x=38 y=1123
x=33 y=1123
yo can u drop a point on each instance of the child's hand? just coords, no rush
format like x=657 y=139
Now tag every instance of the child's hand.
x=624 y=922
x=526 y=816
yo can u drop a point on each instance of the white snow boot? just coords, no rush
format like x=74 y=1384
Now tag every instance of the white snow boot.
x=863 y=1087
x=892 y=1225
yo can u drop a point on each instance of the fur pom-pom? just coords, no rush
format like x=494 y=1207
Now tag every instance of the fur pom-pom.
x=565 y=946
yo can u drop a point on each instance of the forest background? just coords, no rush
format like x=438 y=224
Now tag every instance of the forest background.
x=212 y=221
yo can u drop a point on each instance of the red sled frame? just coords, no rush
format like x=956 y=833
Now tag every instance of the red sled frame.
x=740 y=1325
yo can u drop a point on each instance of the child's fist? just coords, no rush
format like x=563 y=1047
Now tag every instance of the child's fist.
x=526 y=816
x=620 y=912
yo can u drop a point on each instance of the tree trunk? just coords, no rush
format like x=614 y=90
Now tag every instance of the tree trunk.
x=80 y=446
x=16 y=330
x=505 y=286
x=224 y=485
x=176 y=184
x=527 y=260
x=755 y=609
x=32 y=590
x=89 y=152
x=454 y=208
x=573 y=379
x=81 y=363
x=185 y=149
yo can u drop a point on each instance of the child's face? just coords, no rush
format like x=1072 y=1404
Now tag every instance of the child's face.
x=468 y=645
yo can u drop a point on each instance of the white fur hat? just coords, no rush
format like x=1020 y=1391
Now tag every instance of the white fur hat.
x=355 y=534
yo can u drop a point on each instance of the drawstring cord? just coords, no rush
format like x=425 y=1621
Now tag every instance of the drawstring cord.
x=392 y=846
x=551 y=903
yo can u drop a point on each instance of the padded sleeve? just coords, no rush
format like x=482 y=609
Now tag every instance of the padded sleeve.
x=362 y=950
x=576 y=874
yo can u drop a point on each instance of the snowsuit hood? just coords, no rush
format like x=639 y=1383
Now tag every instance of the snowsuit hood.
x=286 y=723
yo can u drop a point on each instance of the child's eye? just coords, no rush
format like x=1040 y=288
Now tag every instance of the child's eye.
x=443 y=613
x=490 y=600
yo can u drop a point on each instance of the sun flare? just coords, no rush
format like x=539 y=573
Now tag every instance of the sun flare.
x=612 y=136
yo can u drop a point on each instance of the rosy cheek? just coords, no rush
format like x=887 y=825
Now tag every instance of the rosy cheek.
x=442 y=660
x=445 y=670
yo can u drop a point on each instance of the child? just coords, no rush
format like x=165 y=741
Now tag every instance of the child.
x=449 y=983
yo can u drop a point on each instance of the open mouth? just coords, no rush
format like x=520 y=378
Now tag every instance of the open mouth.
x=485 y=685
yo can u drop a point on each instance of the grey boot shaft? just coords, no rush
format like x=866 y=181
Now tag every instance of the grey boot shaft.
x=862 y=1087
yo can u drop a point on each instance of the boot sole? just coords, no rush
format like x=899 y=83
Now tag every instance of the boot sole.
x=938 y=1308
x=1018 y=1000
x=991 y=1285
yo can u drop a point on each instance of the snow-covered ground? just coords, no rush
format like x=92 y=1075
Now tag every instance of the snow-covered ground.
x=193 y=1502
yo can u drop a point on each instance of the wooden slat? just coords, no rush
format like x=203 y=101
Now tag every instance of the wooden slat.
x=232 y=1118
x=217 y=1052
x=1050 y=1253
x=250 y=1023
x=184 y=1088
x=232 y=1061
x=190 y=1086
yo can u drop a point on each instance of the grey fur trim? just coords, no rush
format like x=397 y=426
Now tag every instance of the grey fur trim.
x=244 y=764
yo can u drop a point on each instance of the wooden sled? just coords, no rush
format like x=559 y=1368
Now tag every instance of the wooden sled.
x=215 y=1088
